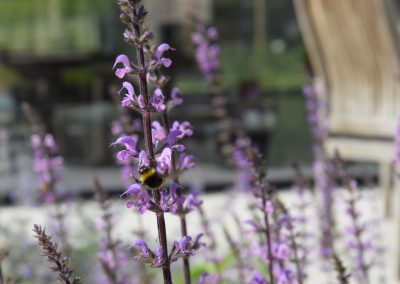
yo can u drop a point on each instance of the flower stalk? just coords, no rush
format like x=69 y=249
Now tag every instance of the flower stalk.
x=61 y=264
x=162 y=232
x=157 y=163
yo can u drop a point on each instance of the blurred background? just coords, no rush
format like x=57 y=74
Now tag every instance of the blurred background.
x=58 y=55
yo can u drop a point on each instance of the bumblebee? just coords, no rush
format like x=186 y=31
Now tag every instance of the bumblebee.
x=150 y=178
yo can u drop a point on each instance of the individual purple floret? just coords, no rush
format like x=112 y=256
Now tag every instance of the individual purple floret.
x=123 y=60
x=140 y=199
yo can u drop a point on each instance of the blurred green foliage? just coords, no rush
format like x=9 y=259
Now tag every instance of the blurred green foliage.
x=77 y=76
x=13 y=11
x=272 y=71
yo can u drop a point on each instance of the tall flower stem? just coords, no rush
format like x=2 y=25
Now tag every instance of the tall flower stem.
x=162 y=234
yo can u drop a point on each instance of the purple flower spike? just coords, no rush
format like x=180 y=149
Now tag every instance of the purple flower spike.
x=166 y=62
x=129 y=98
x=121 y=72
x=158 y=100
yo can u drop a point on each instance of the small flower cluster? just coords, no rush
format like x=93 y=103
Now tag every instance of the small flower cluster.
x=48 y=165
x=185 y=247
x=207 y=56
x=207 y=51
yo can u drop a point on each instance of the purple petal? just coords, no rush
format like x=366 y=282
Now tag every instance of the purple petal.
x=161 y=49
x=122 y=58
x=166 y=62
x=133 y=189
x=173 y=136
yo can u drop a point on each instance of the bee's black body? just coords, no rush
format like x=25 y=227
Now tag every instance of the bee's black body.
x=150 y=178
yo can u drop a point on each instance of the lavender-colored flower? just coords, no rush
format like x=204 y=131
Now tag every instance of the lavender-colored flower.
x=186 y=247
x=207 y=53
x=323 y=169
x=186 y=161
x=212 y=33
x=164 y=161
x=175 y=96
x=158 y=100
x=130 y=144
x=143 y=159
x=126 y=69
x=145 y=252
x=258 y=279
x=166 y=62
x=192 y=202
x=158 y=131
x=140 y=198
x=129 y=99
x=159 y=260
x=171 y=201
x=185 y=128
